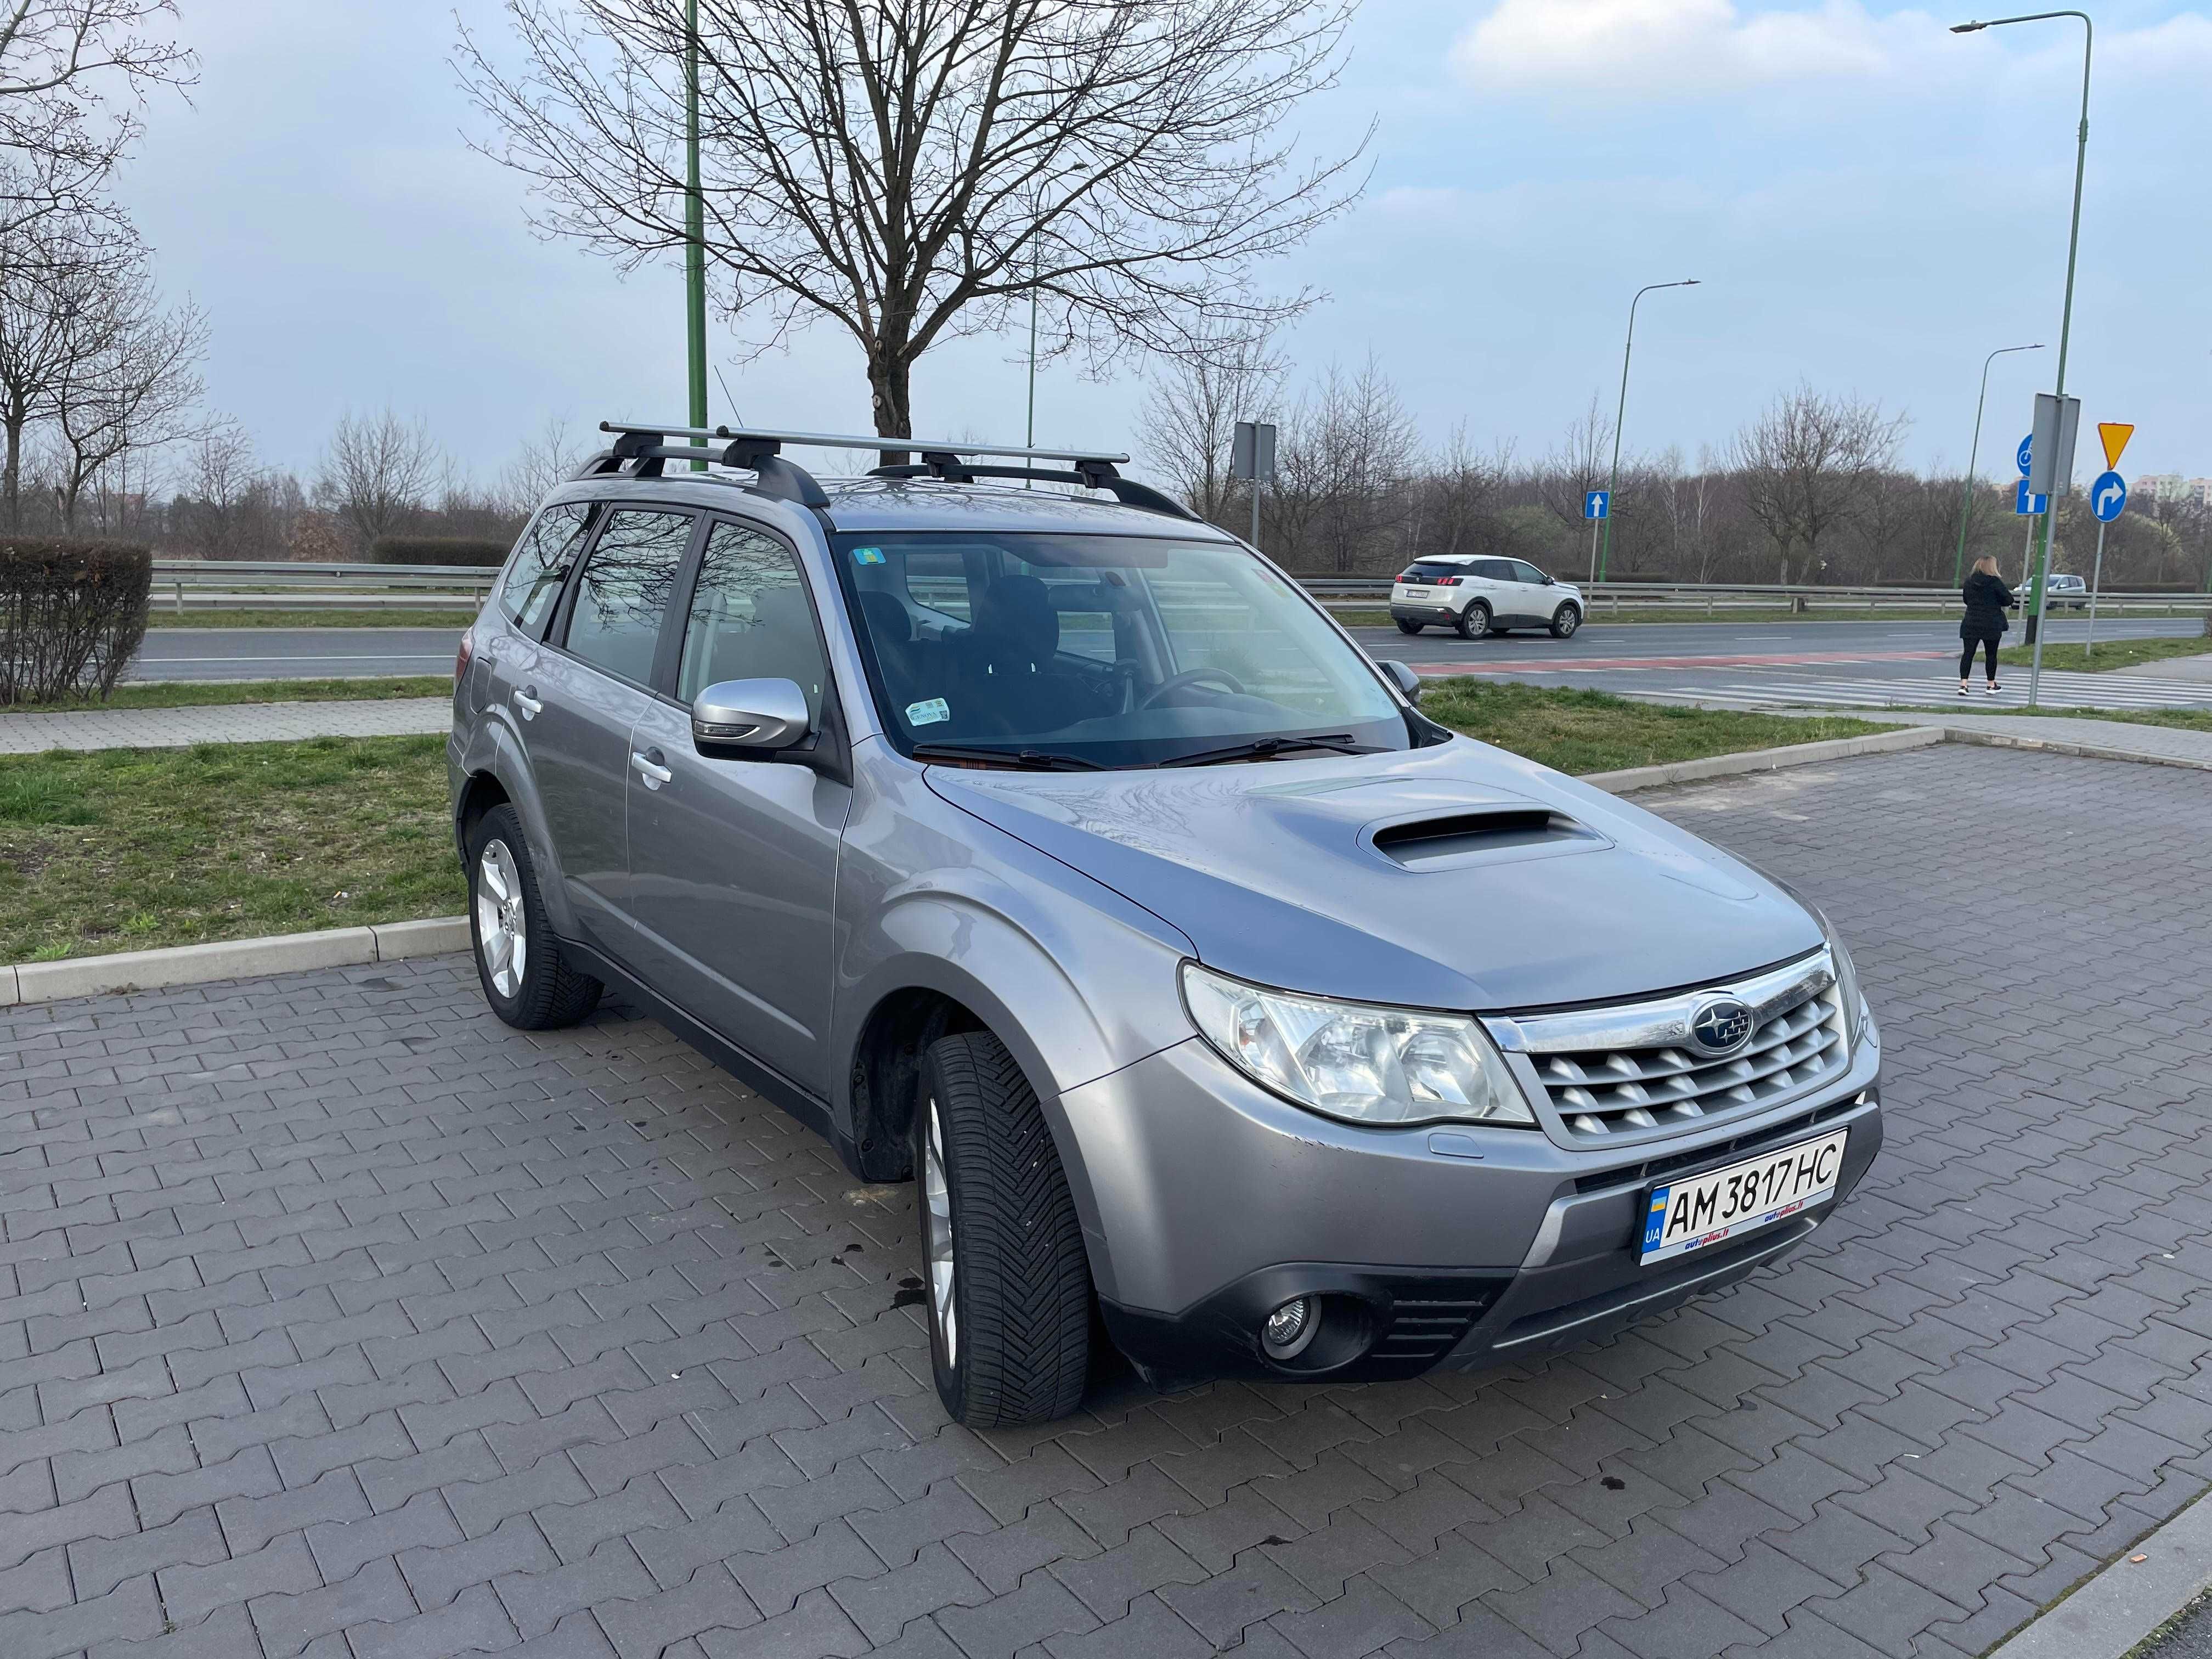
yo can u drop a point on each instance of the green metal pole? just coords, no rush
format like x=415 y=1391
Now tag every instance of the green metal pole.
x=1613 y=483
x=1973 y=455
x=2059 y=486
x=2066 y=314
x=695 y=227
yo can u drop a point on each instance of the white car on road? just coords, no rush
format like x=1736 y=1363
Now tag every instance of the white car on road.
x=1479 y=595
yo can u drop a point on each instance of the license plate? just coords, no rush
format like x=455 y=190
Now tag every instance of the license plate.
x=1417 y=593
x=1707 y=1209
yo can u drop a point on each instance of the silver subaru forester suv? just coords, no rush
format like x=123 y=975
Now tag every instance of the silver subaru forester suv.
x=1056 y=851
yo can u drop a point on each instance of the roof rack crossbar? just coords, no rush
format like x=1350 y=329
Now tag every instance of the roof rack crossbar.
x=646 y=449
x=848 y=440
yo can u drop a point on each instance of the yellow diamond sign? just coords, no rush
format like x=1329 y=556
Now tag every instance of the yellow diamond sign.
x=2115 y=438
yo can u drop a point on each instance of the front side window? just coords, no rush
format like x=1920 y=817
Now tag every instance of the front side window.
x=1525 y=571
x=1110 y=651
x=540 y=565
x=750 y=618
x=615 y=622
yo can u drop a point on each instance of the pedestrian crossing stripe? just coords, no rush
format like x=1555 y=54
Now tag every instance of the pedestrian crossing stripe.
x=2059 y=689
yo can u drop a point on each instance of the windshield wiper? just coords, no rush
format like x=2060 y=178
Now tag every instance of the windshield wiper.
x=1028 y=760
x=1261 y=748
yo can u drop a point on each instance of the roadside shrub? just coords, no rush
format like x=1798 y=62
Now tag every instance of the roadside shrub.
x=72 y=615
x=471 y=552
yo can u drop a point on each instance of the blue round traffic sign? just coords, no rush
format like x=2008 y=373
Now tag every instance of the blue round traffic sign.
x=2108 y=496
x=2026 y=454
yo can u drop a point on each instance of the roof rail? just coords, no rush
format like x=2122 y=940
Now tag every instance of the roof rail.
x=646 y=449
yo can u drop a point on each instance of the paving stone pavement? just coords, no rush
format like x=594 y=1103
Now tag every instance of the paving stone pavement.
x=338 y=1320
x=26 y=733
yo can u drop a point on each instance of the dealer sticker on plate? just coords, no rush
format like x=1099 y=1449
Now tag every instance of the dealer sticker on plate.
x=1690 y=1214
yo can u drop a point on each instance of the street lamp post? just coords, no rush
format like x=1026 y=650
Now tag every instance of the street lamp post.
x=1973 y=453
x=694 y=228
x=2066 y=314
x=1613 y=484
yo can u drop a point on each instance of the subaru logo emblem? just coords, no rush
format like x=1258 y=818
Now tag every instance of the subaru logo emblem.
x=1720 y=1026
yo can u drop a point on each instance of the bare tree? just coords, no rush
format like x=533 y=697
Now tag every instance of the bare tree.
x=1804 y=461
x=1462 y=496
x=549 y=457
x=1576 y=466
x=1343 y=459
x=57 y=272
x=906 y=171
x=135 y=384
x=222 y=478
x=1189 y=418
x=377 y=472
x=57 y=58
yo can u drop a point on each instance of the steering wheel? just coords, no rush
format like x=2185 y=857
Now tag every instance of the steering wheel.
x=1190 y=676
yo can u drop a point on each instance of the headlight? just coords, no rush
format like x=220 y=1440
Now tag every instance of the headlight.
x=1352 y=1060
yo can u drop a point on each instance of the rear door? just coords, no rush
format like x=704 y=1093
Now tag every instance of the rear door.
x=510 y=649
x=1490 y=580
x=733 y=863
x=593 y=682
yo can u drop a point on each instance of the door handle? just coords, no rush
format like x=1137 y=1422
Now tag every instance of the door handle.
x=526 y=703
x=650 y=769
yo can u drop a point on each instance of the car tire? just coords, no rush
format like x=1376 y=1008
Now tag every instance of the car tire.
x=1475 y=621
x=1564 y=620
x=526 y=979
x=1005 y=1281
x=1405 y=627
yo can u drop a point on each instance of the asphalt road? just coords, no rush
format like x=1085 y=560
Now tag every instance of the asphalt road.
x=1749 y=664
x=1720 y=662
x=294 y=654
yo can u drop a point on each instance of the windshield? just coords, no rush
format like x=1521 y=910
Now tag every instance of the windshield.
x=1108 y=651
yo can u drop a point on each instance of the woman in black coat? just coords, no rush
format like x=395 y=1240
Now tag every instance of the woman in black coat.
x=1987 y=600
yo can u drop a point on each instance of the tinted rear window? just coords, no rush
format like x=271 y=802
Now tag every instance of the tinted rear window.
x=1429 y=569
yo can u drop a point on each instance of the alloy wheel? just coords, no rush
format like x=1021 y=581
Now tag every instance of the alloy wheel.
x=502 y=933
x=938 y=1223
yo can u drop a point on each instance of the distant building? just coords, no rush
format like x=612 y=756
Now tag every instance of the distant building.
x=2171 y=488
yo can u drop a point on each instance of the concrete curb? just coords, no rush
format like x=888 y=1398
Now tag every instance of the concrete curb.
x=2129 y=1599
x=239 y=958
x=1764 y=760
x=2068 y=746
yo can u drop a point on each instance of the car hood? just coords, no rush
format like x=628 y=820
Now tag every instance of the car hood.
x=1413 y=878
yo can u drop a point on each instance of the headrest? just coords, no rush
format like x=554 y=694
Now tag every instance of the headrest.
x=1018 y=610
x=888 y=621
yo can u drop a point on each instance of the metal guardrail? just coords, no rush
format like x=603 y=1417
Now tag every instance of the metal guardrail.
x=245 y=584
x=281 y=584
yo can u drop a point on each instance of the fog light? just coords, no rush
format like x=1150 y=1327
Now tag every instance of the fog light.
x=1289 y=1329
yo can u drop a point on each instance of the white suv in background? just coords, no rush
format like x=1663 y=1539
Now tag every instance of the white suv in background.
x=1480 y=596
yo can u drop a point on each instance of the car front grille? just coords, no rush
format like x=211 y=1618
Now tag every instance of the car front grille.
x=1629 y=1069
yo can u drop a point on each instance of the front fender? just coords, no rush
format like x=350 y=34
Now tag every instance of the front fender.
x=493 y=749
x=1075 y=979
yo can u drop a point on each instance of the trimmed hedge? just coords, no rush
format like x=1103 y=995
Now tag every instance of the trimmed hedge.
x=72 y=615
x=470 y=552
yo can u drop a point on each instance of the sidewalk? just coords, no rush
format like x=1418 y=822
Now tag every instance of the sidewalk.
x=2160 y=745
x=22 y=733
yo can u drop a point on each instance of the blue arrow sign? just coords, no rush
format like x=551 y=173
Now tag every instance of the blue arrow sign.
x=2025 y=503
x=2025 y=453
x=1597 y=503
x=2108 y=496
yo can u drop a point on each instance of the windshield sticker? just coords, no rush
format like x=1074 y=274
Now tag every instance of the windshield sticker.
x=867 y=555
x=929 y=712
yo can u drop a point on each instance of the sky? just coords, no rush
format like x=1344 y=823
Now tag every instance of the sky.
x=1870 y=203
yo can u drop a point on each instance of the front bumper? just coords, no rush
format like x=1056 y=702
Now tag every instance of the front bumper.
x=1207 y=1203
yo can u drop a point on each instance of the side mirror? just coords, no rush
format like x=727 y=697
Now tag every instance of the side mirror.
x=1551 y=581
x=749 y=714
x=1407 y=681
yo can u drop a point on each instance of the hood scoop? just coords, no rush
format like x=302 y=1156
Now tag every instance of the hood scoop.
x=1485 y=835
